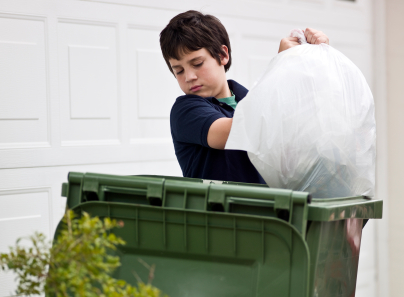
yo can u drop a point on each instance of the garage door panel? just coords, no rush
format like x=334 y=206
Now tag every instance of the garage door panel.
x=22 y=212
x=23 y=76
x=88 y=83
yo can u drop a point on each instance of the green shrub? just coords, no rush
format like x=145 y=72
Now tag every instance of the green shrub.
x=77 y=264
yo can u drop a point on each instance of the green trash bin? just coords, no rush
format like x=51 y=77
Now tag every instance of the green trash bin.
x=226 y=239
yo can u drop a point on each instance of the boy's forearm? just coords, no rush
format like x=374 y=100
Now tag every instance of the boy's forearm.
x=219 y=132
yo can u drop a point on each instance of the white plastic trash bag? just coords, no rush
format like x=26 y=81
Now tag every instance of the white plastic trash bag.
x=308 y=124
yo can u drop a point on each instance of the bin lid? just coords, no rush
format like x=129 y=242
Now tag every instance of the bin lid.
x=233 y=197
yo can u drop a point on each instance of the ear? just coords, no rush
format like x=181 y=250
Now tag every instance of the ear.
x=224 y=59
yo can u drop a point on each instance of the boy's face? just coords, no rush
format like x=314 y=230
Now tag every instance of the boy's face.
x=198 y=73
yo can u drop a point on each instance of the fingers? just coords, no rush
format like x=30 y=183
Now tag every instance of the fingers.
x=311 y=35
x=321 y=39
x=288 y=40
x=308 y=33
x=315 y=37
x=287 y=43
x=292 y=41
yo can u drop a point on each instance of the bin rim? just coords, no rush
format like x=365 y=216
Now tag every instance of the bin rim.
x=342 y=208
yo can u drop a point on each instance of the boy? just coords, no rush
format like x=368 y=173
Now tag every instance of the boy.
x=197 y=51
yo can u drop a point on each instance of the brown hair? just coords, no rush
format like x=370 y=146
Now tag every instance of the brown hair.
x=190 y=31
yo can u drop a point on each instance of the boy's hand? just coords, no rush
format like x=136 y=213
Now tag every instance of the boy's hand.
x=315 y=37
x=287 y=43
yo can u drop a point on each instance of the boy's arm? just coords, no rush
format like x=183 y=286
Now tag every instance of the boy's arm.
x=219 y=132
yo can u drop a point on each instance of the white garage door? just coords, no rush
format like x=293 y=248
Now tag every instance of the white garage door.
x=83 y=87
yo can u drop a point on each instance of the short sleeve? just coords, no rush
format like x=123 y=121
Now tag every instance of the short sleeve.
x=191 y=119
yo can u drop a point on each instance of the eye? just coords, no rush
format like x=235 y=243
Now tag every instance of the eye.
x=179 y=72
x=198 y=65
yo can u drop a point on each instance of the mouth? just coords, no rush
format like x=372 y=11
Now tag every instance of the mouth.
x=195 y=88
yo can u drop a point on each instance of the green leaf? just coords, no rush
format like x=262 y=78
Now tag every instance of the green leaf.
x=78 y=263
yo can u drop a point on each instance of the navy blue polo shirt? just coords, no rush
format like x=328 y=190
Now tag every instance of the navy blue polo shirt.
x=190 y=120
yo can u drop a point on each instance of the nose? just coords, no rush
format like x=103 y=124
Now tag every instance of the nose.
x=190 y=76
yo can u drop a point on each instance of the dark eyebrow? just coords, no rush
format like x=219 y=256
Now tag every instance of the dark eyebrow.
x=190 y=61
x=196 y=58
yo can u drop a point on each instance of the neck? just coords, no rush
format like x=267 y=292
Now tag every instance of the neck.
x=224 y=91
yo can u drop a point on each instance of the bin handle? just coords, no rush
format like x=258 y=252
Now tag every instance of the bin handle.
x=98 y=185
x=147 y=193
x=293 y=202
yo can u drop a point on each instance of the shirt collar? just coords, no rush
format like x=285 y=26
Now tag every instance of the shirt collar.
x=238 y=90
